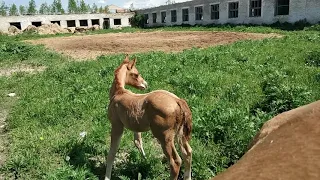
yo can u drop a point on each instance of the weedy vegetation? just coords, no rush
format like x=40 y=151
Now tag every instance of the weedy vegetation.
x=231 y=89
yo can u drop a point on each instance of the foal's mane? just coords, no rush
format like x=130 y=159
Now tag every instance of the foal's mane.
x=118 y=89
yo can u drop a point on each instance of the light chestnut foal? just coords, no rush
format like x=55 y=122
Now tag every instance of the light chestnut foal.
x=167 y=116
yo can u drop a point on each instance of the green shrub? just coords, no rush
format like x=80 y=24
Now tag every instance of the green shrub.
x=313 y=59
x=281 y=96
x=137 y=20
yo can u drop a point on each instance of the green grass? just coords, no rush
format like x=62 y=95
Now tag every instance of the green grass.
x=231 y=89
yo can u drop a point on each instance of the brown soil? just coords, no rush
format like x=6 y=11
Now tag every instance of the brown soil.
x=91 y=46
x=286 y=148
x=21 y=68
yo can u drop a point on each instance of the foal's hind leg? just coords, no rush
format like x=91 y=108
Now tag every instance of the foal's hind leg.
x=116 y=133
x=138 y=142
x=186 y=156
x=167 y=143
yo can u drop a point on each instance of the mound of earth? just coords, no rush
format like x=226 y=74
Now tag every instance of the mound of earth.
x=12 y=30
x=51 y=29
x=286 y=148
x=31 y=28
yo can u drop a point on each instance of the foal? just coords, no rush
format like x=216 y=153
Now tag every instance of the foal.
x=162 y=112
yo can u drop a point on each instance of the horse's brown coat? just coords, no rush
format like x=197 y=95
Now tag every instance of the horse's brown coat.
x=286 y=148
x=162 y=112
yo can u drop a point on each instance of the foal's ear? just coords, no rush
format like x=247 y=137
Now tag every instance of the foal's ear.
x=126 y=60
x=132 y=63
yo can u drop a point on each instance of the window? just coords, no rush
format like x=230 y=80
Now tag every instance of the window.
x=146 y=18
x=36 y=24
x=71 y=23
x=255 y=8
x=163 y=16
x=174 y=16
x=185 y=14
x=154 y=17
x=215 y=11
x=199 y=13
x=117 y=22
x=282 y=7
x=16 y=24
x=95 y=22
x=56 y=22
x=233 y=9
x=83 y=22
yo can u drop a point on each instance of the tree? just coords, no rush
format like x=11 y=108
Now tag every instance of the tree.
x=13 y=11
x=131 y=8
x=88 y=8
x=138 y=20
x=44 y=8
x=100 y=9
x=94 y=8
x=3 y=9
x=106 y=9
x=22 y=10
x=56 y=7
x=83 y=8
x=32 y=7
x=72 y=6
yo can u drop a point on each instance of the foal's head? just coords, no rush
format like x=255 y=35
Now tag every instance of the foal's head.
x=132 y=76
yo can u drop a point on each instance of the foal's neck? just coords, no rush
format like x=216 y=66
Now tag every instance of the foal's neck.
x=118 y=83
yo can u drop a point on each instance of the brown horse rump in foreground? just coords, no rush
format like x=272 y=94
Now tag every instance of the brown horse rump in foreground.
x=286 y=148
x=167 y=116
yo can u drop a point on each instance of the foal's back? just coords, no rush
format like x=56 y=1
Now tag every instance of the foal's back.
x=140 y=112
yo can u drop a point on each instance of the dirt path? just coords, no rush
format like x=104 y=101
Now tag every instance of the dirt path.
x=91 y=46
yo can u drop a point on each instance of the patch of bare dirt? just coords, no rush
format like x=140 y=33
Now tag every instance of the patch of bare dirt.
x=286 y=148
x=21 y=68
x=91 y=46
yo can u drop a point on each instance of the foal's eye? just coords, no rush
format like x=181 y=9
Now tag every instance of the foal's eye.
x=135 y=75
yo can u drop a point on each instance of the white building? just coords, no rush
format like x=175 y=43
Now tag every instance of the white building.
x=67 y=20
x=233 y=11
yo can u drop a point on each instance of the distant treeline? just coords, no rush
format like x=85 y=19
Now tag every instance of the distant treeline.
x=74 y=7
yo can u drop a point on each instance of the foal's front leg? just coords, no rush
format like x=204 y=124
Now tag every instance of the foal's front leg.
x=116 y=133
x=138 y=143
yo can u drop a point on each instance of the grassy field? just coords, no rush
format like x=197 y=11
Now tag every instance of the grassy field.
x=231 y=89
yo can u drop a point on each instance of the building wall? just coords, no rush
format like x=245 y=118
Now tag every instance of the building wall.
x=299 y=10
x=46 y=19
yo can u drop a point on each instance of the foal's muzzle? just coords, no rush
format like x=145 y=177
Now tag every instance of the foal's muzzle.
x=143 y=85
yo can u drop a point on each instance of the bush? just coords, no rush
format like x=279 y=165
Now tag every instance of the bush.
x=313 y=59
x=280 y=96
x=138 y=20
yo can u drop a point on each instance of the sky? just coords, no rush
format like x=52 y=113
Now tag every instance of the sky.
x=121 y=3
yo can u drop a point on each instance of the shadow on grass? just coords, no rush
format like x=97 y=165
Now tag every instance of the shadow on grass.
x=299 y=25
x=82 y=155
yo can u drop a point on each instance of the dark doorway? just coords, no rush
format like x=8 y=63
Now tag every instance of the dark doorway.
x=16 y=24
x=36 y=24
x=106 y=23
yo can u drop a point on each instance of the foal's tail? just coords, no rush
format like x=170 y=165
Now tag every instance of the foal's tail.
x=186 y=119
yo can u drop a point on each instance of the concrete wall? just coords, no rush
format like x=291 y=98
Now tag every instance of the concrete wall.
x=46 y=19
x=298 y=10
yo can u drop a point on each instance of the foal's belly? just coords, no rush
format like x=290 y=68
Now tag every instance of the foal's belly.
x=136 y=125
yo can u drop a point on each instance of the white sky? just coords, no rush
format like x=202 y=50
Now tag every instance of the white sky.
x=121 y=3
